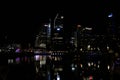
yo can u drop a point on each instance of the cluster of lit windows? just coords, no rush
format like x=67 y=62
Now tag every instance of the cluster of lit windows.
x=18 y=60
x=57 y=54
x=56 y=58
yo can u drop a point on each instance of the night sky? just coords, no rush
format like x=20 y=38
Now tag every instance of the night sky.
x=20 y=22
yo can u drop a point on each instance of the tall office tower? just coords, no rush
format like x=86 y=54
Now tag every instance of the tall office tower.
x=58 y=33
x=44 y=37
x=118 y=21
x=110 y=24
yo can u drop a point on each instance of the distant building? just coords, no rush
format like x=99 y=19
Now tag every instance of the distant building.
x=44 y=36
x=58 y=33
x=110 y=23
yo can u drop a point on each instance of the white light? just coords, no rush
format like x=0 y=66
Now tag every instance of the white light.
x=89 y=64
x=98 y=49
x=46 y=25
x=42 y=62
x=108 y=67
x=81 y=65
x=98 y=66
x=92 y=63
x=73 y=68
x=9 y=60
x=49 y=26
x=110 y=15
x=37 y=57
x=81 y=49
x=58 y=77
x=43 y=45
x=60 y=69
x=88 y=46
x=62 y=17
x=88 y=28
x=107 y=47
x=91 y=48
x=55 y=58
x=58 y=29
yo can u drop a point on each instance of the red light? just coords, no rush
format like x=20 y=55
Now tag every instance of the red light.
x=90 y=77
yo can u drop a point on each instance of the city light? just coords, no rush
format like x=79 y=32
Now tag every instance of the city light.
x=37 y=57
x=90 y=77
x=108 y=67
x=81 y=65
x=81 y=49
x=37 y=70
x=98 y=66
x=108 y=48
x=58 y=29
x=17 y=50
x=10 y=61
x=62 y=17
x=89 y=64
x=73 y=68
x=88 y=47
x=49 y=25
x=45 y=25
x=56 y=54
x=88 y=28
x=92 y=63
x=58 y=77
x=17 y=59
x=78 y=26
x=110 y=15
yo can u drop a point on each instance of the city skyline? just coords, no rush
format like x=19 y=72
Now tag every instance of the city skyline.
x=60 y=41
x=24 y=22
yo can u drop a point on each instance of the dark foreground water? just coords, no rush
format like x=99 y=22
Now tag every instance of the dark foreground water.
x=41 y=67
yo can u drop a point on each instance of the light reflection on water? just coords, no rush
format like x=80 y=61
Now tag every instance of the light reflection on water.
x=27 y=59
x=17 y=60
x=41 y=60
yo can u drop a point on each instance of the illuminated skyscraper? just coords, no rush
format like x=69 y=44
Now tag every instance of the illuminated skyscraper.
x=110 y=23
x=44 y=36
x=58 y=32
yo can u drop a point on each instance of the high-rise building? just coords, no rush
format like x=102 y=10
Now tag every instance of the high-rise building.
x=44 y=36
x=110 y=23
x=58 y=33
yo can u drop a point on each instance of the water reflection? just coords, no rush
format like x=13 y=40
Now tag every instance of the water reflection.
x=46 y=67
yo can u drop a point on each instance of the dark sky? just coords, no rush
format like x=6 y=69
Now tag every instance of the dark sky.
x=20 y=22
